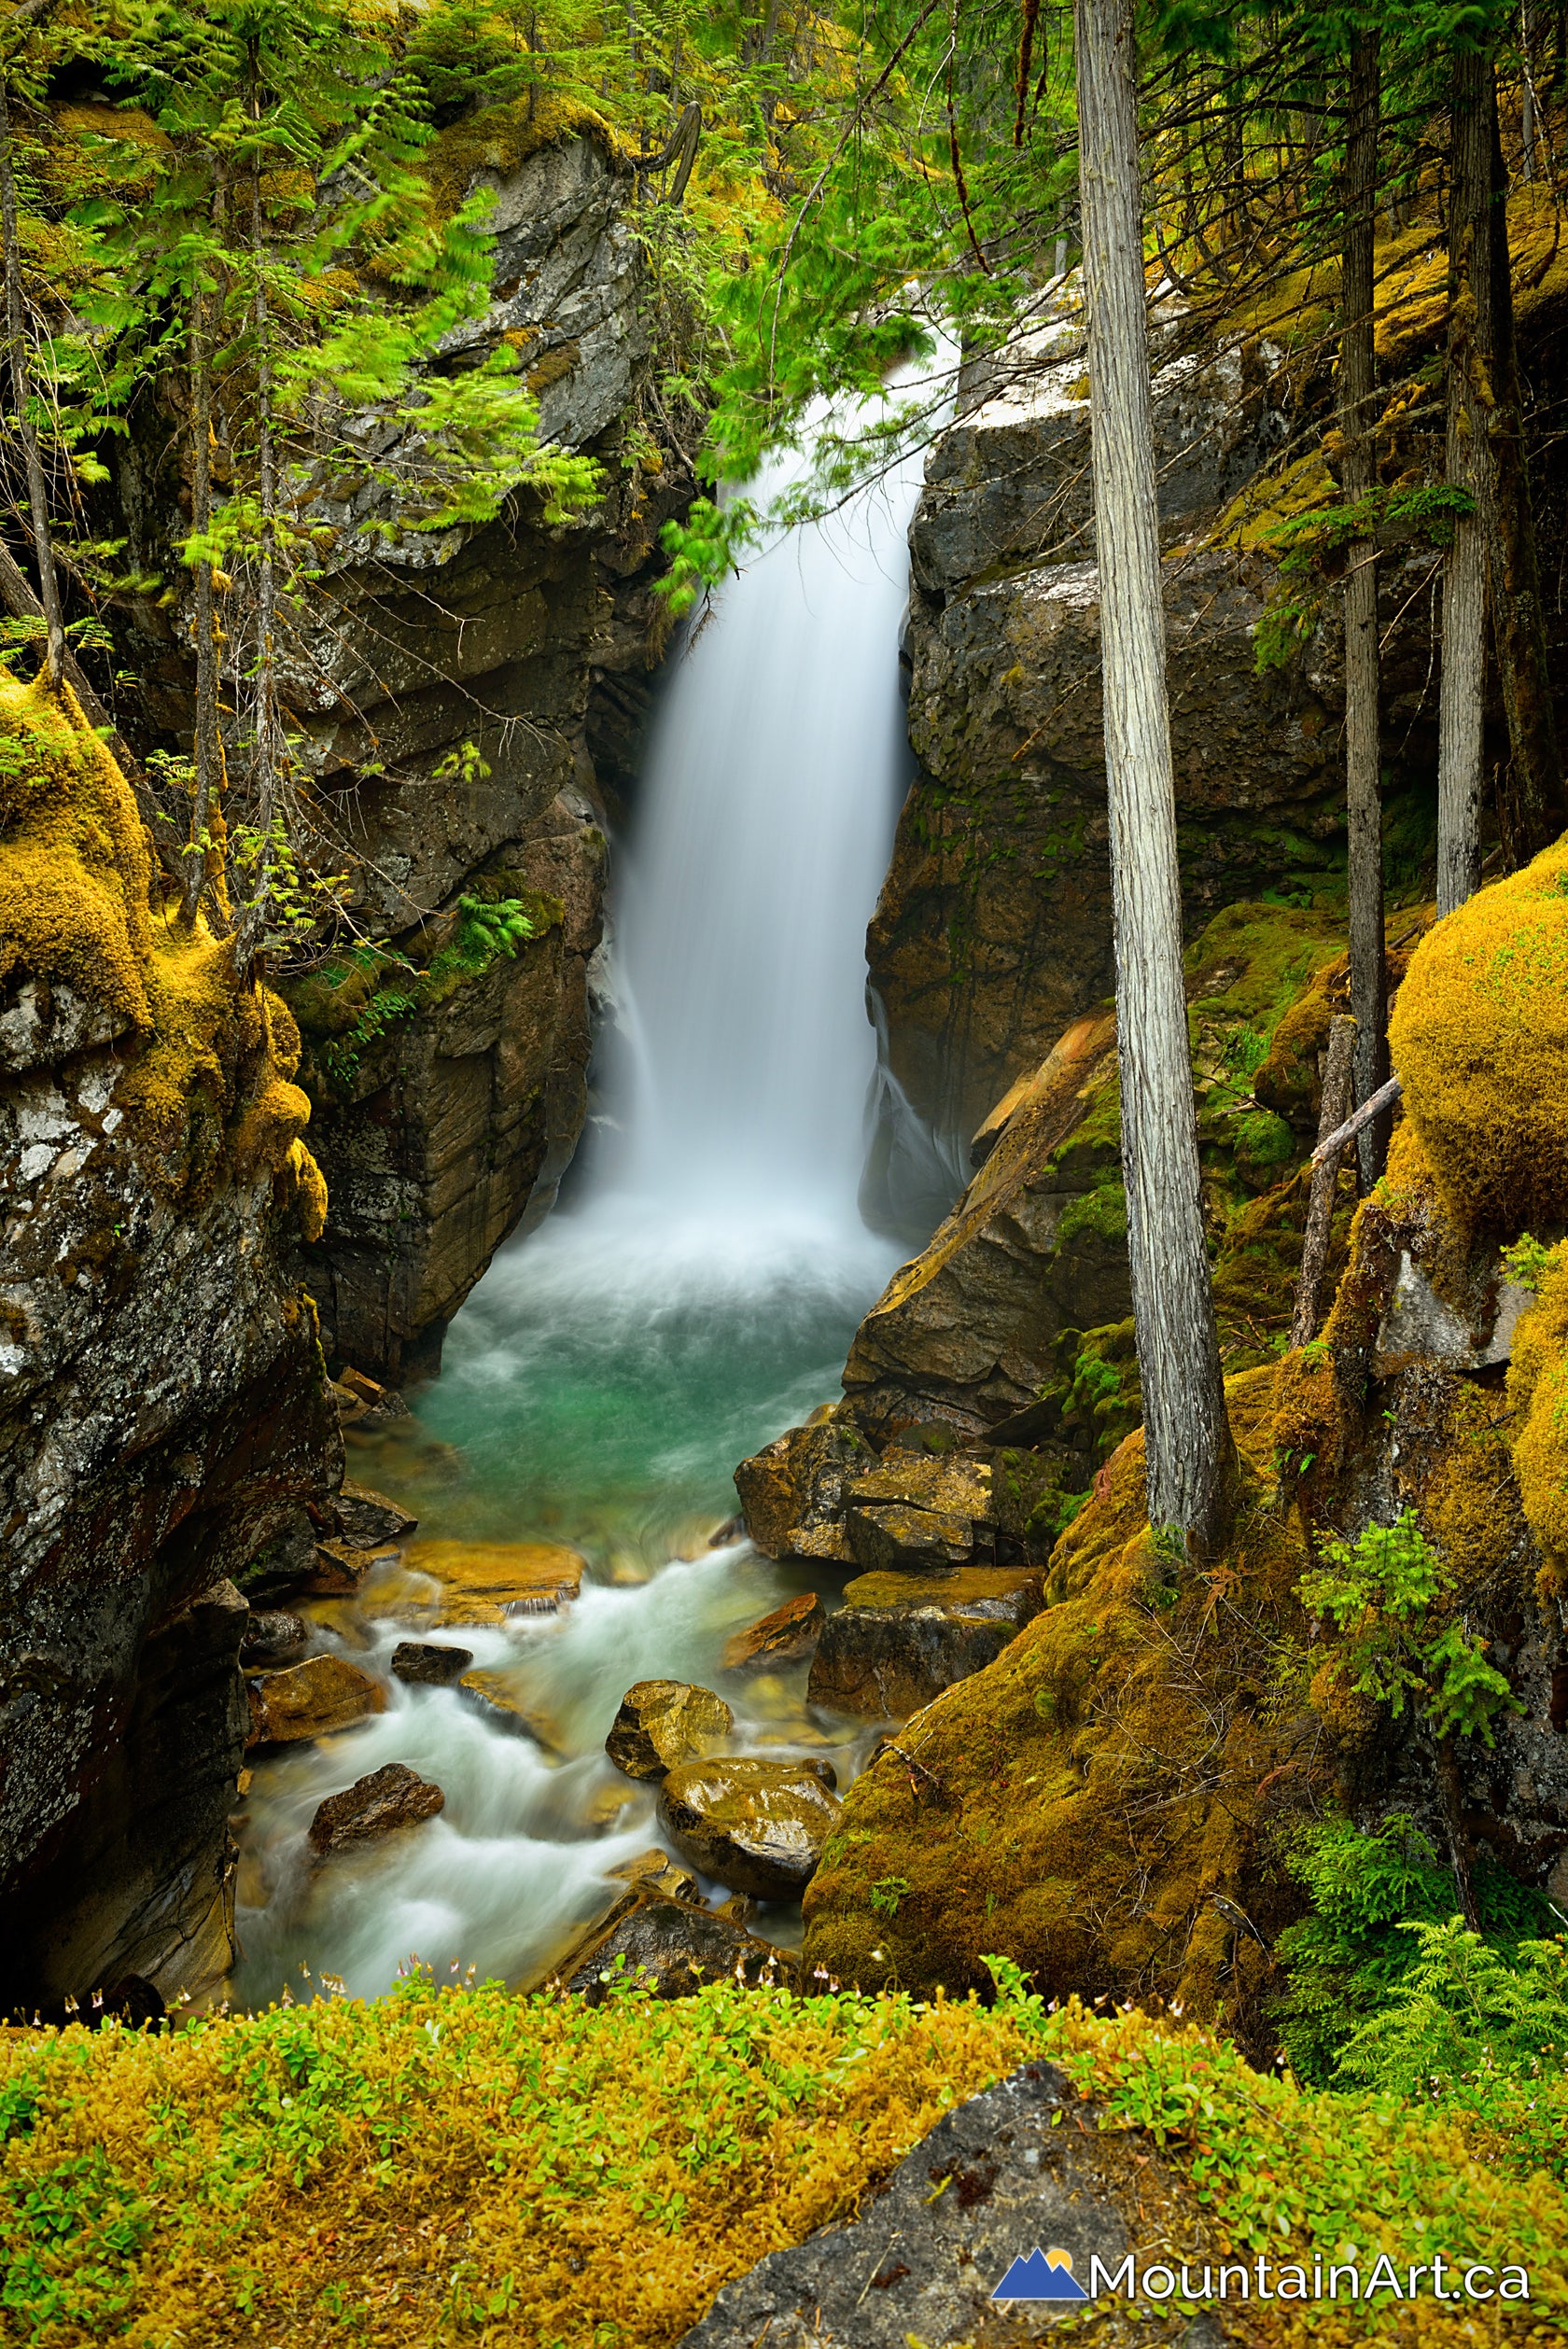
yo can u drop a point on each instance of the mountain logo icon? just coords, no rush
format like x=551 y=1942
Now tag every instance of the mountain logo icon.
x=1044 y=2275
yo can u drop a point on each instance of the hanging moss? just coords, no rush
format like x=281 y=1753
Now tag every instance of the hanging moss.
x=1538 y=1401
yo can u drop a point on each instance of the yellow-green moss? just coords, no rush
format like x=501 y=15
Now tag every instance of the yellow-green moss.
x=211 y=1059
x=1538 y=1403
x=73 y=860
x=1093 y=1788
x=310 y=1189
x=1479 y=1036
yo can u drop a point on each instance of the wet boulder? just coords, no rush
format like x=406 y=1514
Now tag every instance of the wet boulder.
x=310 y=1700
x=898 y=1639
x=340 y=1568
x=428 y=1664
x=757 y=1825
x=390 y=1798
x=274 y=1636
x=899 y=1539
x=790 y=1632
x=792 y=1492
x=671 y=1948
x=663 y=1722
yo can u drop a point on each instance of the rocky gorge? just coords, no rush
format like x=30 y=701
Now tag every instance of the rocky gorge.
x=984 y=1617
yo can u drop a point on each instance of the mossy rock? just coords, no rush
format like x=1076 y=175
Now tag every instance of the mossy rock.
x=1479 y=1036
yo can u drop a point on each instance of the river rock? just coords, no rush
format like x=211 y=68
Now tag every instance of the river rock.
x=485 y=1585
x=310 y=1700
x=390 y=1798
x=997 y=2176
x=654 y=1871
x=340 y=1568
x=783 y=1637
x=367 y=1521
x=665 y=1722
x=899 y=1640
x=883 y=1540
x=672 y=1946
x=792 y=1490
x=758 y=1826
x=272 y=1637
x=426 y=1663
x=506 y=1704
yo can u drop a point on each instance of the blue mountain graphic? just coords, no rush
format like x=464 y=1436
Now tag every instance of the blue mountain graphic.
x=1041 y=2278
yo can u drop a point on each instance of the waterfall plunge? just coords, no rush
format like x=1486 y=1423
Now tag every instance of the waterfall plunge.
x=773 y=780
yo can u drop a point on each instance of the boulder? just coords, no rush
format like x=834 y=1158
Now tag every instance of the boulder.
x=340 y=1567
x=783 y=1637
x=758 y=1826
x=899 y=1640
x=792 y=1490
x=506 y=1704
x=310 y=1700
x=663 y=1722
x=390 y=1798
x=426 y=1663
x=885 y=1540
x=272 y=1638
x=922 y=2264
x=672 y=1946
x=654 y=1871
x=485 y=1585
x=367 y=1521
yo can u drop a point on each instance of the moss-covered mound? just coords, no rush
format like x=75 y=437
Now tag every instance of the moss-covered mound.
x=1081 y=1803
x=212 y=1061
x=465 y=2166
x=1479 y=1036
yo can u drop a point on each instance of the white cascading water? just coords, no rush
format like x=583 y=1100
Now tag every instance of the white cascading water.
x=695 y=1298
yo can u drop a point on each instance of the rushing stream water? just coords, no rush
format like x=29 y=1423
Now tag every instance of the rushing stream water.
x=696 y=1298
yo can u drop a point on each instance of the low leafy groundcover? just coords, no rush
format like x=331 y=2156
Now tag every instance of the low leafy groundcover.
x=460 y=2165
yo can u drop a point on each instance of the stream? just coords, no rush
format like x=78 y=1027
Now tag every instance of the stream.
x=695 y=1295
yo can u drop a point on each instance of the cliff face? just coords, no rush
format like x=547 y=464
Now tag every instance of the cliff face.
x=163 y=1413
x=465 y=701
x=994 y=928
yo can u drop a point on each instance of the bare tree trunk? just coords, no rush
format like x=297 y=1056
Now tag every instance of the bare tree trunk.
x=1189 y=1451
x=1338 y=1078
x=1539 y=811
x=206 y=629
x=22 y=392
x=1526 y=98
x=1362 y=747
x=264 y=770
x=1461 y=686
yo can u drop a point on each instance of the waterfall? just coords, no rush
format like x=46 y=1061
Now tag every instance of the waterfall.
x=775 y=770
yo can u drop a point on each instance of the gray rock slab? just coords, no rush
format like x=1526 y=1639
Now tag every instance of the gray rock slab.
x=994 y=2178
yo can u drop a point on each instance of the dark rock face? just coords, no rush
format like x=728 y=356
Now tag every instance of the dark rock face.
x=271 y=1639
x=427 y=1663
x=388 y=1798
x=471 y=673
x=759 y=1826
x=993 y=2180
x=672 y=1946
x=994 y=927
x=164 y=1424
